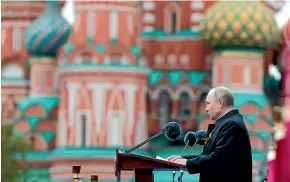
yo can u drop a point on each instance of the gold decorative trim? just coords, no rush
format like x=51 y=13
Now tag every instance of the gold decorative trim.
x=44 y=60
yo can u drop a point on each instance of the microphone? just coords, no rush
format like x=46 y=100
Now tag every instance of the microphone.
x=171 y=130
x=200 y=135
x=190 y=137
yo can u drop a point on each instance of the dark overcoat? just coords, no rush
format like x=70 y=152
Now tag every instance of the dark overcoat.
x=226 y=156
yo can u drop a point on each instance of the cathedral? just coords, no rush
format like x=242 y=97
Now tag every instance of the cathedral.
x=123 y=70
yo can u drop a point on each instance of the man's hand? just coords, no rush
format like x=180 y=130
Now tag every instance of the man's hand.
x=181 y=161
x=173 y=158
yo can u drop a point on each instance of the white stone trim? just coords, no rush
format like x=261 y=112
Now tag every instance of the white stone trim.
x=108 y=79
x=124 y=60
x=148 y=5
x=196 y=17
x=9 y=23
x=159 y=59
x=115 y=130
x=103 y=69
x=184 y=59
x=155 y=94
x=14 y=91
x=187 y=89
x=149 y=18
x=7 y=82
x=130 y=90
x=72 y=91
x=227 y=76
x=247 y=75
x=117 y=8
x=197 y=5
x=99 y=91
x=171 y=38
x=12 y=14
x=62 y=129
x=24 y=3
x=114 y=25
x=195 y=28
x=91 y=21
x=172 y=59
x=148 y=29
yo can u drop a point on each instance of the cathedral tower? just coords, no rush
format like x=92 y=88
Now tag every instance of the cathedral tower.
x=169 y=34
x=103 y=77
x=15 y=16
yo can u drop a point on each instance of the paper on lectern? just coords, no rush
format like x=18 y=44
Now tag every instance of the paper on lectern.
x=161 y=158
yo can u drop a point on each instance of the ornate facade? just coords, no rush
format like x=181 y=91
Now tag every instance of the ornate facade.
x=123 y=70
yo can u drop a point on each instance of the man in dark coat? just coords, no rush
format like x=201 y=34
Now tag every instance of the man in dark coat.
x=226 y=156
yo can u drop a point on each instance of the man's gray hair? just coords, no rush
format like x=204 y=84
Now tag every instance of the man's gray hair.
x=224 y=94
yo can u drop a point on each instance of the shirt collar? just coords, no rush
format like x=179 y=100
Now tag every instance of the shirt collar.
x=226 y=115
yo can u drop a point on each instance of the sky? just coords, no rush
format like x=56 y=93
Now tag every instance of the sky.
x=281 y=17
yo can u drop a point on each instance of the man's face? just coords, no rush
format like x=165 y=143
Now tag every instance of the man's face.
x=213 y=107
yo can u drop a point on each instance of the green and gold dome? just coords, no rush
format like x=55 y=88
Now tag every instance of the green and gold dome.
x=240 y=24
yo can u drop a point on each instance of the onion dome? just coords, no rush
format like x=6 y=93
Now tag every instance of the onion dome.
x=240 y=24
x=48 y=32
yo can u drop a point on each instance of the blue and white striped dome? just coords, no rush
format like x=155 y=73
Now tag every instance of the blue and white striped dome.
x=48 y=32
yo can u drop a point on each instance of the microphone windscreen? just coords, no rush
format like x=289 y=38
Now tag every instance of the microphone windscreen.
x=191 y=137
x=172 y=131
x=200 y=135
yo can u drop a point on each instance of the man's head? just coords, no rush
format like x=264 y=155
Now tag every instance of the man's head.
x=219 y=101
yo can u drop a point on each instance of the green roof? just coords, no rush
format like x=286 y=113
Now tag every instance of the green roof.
x=47 y=136
x=135 y=50
x=34 y=156
x=47 y=103
x=159 y=33
x=195 y=77
x=31 y=120
x=251 y=118
x=264 y=135
x=241 y=99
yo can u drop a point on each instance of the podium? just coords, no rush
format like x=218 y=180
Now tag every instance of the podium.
x=142 y=165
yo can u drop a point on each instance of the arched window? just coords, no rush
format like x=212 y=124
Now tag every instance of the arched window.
x=173 y=20
x=12 y=71
x=184 y=105
x=116 y=58
x=164 y=109
x=83 y=130
x=148 y=104
x=86 y=57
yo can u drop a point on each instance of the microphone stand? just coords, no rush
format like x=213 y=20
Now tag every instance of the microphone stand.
x=193 y=146
x=142 y=143
x=180 y=177
x=173 y=175
x=173 y=172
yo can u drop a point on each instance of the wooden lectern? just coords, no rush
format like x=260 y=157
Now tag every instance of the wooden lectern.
x=142 y=165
